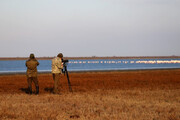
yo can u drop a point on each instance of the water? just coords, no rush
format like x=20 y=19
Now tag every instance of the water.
x=18 y=66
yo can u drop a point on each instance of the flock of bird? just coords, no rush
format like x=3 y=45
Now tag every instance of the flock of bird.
x=125 y=62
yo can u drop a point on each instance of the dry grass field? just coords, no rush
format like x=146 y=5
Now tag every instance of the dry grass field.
x=118 y=95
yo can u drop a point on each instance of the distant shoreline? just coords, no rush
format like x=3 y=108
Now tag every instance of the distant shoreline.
x=93 y=57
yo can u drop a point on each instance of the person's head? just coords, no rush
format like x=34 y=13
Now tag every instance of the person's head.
x=60 y=55
x=31 y=56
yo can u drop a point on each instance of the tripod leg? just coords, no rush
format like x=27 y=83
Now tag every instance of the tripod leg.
x=70 y=89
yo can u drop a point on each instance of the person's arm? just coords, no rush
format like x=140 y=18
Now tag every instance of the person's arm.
x=59 y=64
x=37 y=63
x=26 y=63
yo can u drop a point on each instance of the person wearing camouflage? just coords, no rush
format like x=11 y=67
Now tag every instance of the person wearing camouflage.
x=57 y=67
x=31 y=73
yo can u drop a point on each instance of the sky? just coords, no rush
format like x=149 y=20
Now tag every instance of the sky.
x=82 y=28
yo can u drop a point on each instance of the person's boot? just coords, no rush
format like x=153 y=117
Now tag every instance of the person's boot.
x=37 y=90
x=30 y=91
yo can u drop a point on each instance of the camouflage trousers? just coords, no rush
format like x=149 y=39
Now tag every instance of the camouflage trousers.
x=35 y=81
x=56 y=78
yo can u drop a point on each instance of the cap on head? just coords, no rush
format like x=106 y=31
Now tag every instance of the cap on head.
x=31 y=56
x=60 y=55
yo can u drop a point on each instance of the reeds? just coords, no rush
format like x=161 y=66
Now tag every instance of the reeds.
x=133 y=95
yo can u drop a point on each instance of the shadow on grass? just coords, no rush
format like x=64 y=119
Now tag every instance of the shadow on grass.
x=25 y=90
x=48 y=89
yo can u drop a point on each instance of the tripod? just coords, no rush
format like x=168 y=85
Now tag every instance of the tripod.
x=66 y=72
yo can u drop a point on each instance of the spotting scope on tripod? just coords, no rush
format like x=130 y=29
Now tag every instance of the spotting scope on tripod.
x=66 y=73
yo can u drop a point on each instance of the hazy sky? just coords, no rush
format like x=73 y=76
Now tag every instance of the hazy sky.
x=89 y=27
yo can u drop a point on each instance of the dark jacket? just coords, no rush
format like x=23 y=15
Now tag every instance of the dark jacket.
x=31 y=65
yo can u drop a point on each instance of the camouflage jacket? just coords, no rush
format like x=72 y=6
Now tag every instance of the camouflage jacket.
x=31 y=65
x=57 y=65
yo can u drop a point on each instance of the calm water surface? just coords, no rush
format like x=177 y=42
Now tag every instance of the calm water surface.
x=14 y=66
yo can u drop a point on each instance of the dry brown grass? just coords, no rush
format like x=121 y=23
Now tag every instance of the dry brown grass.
x=125 y=95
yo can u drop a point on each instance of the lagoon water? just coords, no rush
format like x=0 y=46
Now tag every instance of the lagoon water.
x=18 y=66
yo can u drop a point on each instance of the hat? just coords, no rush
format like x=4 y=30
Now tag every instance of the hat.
x=60 y=55
x=32 y=56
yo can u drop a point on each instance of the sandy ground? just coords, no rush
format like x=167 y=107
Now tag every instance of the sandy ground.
x=127 y=95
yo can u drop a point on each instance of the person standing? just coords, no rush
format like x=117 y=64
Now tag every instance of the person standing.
x=57 y=67
x=31 y=73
